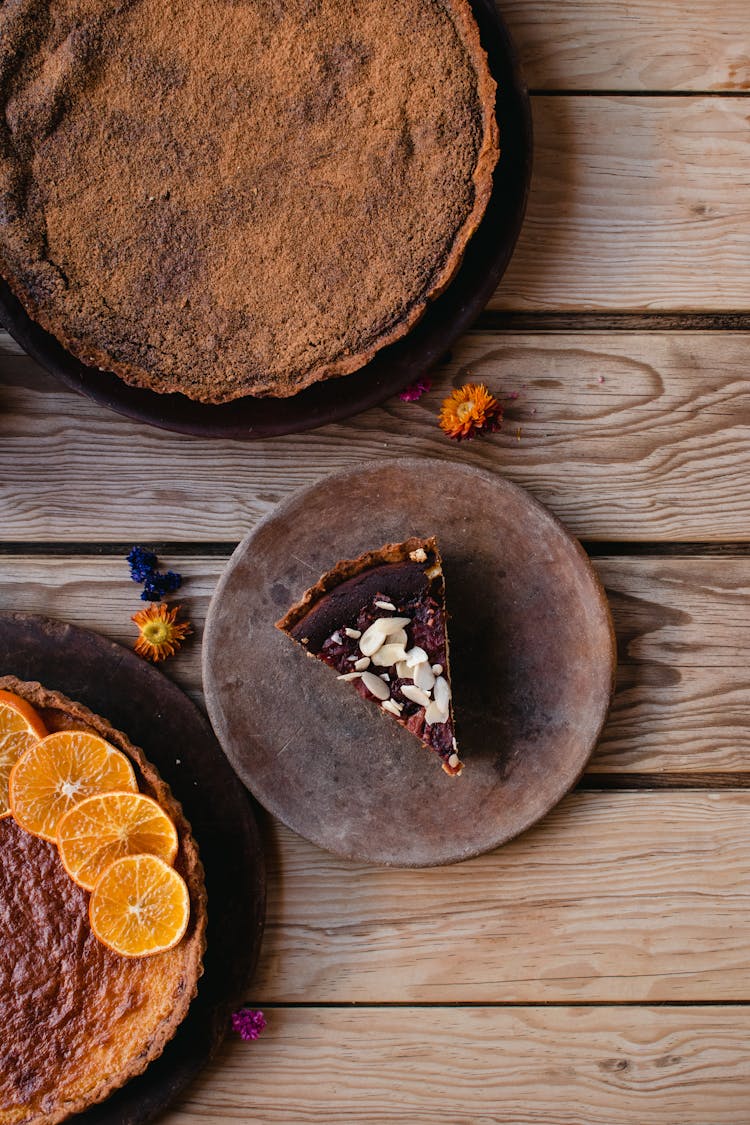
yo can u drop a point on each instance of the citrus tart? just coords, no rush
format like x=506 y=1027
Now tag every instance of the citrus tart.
x=102 y=911
x=380 y=622
x=240 y=197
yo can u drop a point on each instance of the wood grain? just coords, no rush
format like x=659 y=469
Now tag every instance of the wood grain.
x=636 y=203
x=683 y=628
x=614 y=897
x=626 y=436
x=482 y=1066
x=631 y=44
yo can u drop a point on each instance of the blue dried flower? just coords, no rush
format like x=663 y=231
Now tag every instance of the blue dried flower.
x=142 y=564
x=158 y=585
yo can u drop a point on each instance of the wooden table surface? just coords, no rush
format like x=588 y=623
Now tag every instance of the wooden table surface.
x=596 y=970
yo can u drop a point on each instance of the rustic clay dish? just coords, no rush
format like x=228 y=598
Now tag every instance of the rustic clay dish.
x=533 y=660
x=156 y=715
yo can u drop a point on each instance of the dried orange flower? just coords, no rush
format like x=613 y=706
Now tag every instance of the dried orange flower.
x=470 y=410
x=160 y=634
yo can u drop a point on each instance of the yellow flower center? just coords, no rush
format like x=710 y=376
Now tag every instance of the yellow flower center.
x=466 y=409
x=156 y=632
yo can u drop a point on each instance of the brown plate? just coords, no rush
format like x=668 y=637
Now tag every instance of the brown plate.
x=173 y=734
x=484 y=264
x=533 y=659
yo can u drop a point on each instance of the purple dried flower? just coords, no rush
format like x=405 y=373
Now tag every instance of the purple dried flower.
x=248 y=1023
x=415 y=391
x=142 y=564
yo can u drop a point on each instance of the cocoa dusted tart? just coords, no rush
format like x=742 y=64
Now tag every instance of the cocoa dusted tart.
x=77 y=1020
x=238 y=197
x=380 y=622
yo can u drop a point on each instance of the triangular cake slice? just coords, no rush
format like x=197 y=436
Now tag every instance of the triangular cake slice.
x=380 y=622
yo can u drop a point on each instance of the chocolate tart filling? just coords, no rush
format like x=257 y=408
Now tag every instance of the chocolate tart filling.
x=408 y=672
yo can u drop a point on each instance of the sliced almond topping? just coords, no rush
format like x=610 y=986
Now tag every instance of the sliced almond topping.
x=375 y=685
x=442 y=693
x=403 y=671
x=416 y=656
x=437 y=669
x=363 y=663
x=388 y=655
x=350 y=676
x=409 y=691
x=386 y=605
x=355 y=634
x=336 y=637
x=434 y=714
x=397 y=638
x=392 y=706
x=373 y=637
x=454 y=760
x=423 y=677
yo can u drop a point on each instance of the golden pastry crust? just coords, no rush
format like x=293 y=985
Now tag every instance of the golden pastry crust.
x=78 y=1020
x=192 y=220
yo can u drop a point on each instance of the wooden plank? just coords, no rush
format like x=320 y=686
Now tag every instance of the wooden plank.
x=642 y=436
x=482 y=1066
x=637 y=204
x=683 y=626
x=631 y=44
x=614 y=897
x=683 y=685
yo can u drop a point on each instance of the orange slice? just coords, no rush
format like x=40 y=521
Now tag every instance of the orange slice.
x=139 y=906
x=101 y=829
x=58 y=772
x=20 y=729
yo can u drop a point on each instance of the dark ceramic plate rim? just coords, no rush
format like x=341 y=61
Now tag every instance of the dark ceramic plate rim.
x=568 y=782
x=484 y=263
x=148 y=1094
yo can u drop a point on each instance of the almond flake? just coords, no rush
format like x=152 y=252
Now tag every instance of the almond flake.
x=437 y=669
x=360 y=665
x=336 y=637
x=416 y=695
x=416 y=656
x=375 y=685
x=403 y=671
x=392 y=706
x=374 y=637
x=355 y=634
x=350 y=676
x=386 y=605
x=434 y=714
x=423 y=677
x=454 y=760
x=388 y=655
x=442 y=693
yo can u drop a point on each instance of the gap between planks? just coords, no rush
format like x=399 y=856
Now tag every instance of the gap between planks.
x=594 y=548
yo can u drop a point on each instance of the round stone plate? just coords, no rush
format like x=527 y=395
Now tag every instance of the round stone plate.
x=532 y=653
x=173 y=734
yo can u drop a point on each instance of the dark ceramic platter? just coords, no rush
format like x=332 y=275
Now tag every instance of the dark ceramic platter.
x=484 y=264
x=157 y=717
x=532 y=651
